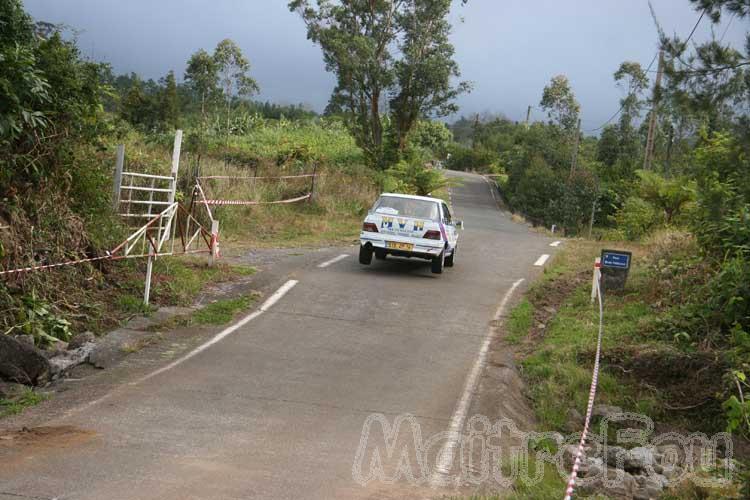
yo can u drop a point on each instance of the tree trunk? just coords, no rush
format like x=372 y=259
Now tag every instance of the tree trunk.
x=22 y=363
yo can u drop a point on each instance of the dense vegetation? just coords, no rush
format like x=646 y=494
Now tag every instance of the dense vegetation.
x=61 y=116
x=695 y=189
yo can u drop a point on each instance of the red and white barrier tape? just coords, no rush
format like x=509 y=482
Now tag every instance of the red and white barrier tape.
x=592 y=391
x=51 y=266
x=240 y=202
x=241 y=177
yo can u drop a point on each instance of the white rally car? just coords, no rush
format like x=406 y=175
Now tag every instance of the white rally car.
x=410 y=226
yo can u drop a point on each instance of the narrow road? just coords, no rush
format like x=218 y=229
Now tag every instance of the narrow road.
x=276 y=408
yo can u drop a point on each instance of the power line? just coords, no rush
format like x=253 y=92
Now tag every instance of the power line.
x=695 y=27
x=622 y=106
x=648 y=70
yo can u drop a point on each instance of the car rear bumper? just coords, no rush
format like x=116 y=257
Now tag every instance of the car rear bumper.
x=422 y=248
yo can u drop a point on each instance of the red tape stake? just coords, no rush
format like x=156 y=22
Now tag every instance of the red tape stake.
x=592 y=393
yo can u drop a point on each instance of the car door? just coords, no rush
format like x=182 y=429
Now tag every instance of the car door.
x=450 y=228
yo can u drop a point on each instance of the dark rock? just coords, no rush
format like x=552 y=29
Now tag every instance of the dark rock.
x=22 y=363
x=25 y=339
x=606 y=411
x=80 y=339
x=615 y=456
x=574 y=420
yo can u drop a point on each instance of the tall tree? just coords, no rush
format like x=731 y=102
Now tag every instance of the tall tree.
x=560 y=103
x=424 y=72
x=397 y=48
x=632 y=79
x=170 y=102
x=233 y=70
x=713 y=80
x=202 y=75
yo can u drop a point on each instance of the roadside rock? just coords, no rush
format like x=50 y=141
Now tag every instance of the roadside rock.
x=606 y=411
x=574 y=420
x=9 y=389
x=68 y=359
x=25 y=339
x=22 y=363
x=640 y=458
x=80 y=339
x=112 y=348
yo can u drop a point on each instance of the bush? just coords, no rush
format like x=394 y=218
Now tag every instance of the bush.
x=411 y=177
x=636 y=218
x=467 y=159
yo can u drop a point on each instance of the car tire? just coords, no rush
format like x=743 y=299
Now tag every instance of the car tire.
x=365 y=255
x=437 y=263
x=380 y=254
x=451 y=258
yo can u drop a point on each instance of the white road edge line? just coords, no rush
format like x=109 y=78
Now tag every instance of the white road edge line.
x=541 y=260
x=269 y=302
x=333 y=260
x=555 y=243
x=445 y=457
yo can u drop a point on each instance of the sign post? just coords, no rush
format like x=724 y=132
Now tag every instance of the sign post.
x=615 y=266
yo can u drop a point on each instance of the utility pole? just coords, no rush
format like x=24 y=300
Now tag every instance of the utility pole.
x=576 y=143
x=528 y=116
x=648 y=158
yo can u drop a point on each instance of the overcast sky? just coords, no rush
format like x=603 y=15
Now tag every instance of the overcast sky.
x=509 y=49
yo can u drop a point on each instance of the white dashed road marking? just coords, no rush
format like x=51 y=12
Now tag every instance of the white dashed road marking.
x=555 y=244
x=541 y=260
x=333 y=261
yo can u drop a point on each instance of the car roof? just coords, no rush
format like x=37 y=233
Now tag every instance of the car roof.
x=413 y=197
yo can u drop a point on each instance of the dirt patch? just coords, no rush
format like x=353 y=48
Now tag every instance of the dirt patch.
x=18 y=446
x=547 y=301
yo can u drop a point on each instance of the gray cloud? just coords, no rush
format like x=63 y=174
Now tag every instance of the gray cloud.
x=509 y=48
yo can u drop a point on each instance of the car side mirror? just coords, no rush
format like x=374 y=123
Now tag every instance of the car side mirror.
x=459 y=224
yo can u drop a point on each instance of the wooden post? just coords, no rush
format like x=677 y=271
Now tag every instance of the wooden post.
x=312 y=184
x=648 y=158
x=576 y=143
x=175 y=164
x=119 y=165
x=214 y=254
x=149 y=268
x=528 y=116
x=591 y=223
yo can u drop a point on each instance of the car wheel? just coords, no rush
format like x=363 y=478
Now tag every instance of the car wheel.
x=365 y=254
x=380 y=254
x=451 y=258
x=437 y=263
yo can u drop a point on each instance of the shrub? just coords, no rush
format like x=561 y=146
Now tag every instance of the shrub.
x=478 y=159
x=636 y=218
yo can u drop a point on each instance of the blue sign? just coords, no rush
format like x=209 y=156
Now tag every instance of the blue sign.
x=613 y=259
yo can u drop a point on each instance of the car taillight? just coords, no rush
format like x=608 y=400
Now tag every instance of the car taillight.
x=432 y=235
x=370 y=227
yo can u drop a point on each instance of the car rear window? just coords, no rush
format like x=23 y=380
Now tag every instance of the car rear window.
x=407 y=207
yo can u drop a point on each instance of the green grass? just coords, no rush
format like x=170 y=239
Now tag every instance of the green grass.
x=18 y=404
x=222 y=311
x=519 y=321
x=558 y=368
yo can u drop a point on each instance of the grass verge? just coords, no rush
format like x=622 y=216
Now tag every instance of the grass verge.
x=223 y=311
x=17 y=404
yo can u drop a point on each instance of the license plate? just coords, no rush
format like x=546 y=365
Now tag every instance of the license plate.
x=395 y=245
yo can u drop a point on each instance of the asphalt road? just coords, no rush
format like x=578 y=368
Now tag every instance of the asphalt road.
x=276 y=408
